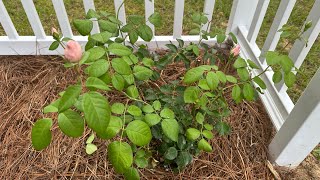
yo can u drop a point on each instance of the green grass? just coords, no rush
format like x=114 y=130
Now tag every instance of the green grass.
x=166 y=8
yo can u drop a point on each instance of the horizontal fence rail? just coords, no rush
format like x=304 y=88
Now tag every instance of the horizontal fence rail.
x=245 y=22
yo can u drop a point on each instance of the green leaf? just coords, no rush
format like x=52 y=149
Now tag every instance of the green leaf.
x=195 y=31
x=102 y=37
x=156 y=105
x=192 y=134
x=207 y=134
x=114 y=20
x=148 y=62
x=223 y=128
x=114 y=127
x=171 y=153
x=259 y=81
x=147 y=108
x=167 y=113
x=289 y=79
x=141 y=162
x=170 y=128
x=155 y=19
x=248 y=92
x=234 y=38
x=139 y=133
x=108 y=26
x=90 y=139
x=97 y=112
x=184 y=158
x=133 y=36
x=142 y=73
x=120 y=155
x=93 y=82
x=120 y=66
x=134 y=110
x=196 y=50
x=132 y=174
x=191 y=94
x=240 y=63
x=84 y=27
x=145 y=32
x=203 y=84
x=252 y=64
x=277 y=77
x=117 y=82
x=53 y=107
x=117 y=108
x=152 y=119
x=196 y=18
x=71 y=123
x=272 y=58
x=41 y=134
x=69 y=97
x=236 y=93
x=243 y=74
x=193 y=75
x=92 y=14
x=136 y=19
x=212 y=80
x=231 y=79
x=91 y=148
x=221 y=76
x=200 y=118
x=286 y=63
x=208 y=127
x=119 y=49
x=132 y=91
x=78 y=105
x=54 y=45
x=98 y=68
x=204 y=145
x=221 y=38
x=95 y=54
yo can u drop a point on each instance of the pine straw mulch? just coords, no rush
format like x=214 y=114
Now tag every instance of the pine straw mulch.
x=28 y=83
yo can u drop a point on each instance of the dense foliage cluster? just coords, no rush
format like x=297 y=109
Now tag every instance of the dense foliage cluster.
x=167 y=124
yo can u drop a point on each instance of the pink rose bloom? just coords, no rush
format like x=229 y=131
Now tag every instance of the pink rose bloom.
x=73 y=51
x=236 y=50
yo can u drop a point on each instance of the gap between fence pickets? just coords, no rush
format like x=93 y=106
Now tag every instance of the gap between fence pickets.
x=30 y=45
x=277 y=104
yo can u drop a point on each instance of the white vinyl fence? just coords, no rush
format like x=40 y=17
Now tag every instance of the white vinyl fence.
x=298 y=125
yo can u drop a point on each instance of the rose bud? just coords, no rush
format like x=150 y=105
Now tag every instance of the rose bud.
x=73 y=51
x=236 y=50
x=55 y=33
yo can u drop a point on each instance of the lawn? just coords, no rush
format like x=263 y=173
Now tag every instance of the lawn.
x=166 y=8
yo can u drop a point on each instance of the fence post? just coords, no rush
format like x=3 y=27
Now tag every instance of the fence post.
x=300 y=132
x=242 y=13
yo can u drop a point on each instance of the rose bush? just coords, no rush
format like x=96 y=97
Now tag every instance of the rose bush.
x=153 y=125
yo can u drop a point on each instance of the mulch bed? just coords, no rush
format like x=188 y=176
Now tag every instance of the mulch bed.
x=28 y=83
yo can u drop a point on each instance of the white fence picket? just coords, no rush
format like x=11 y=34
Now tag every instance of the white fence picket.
x=178 y=18
x=121 y=13
x=149 y=10
x=89 y=4
x=242 y=13
x=33 y=18
x=208 y=11
x=7 y=23
x=300 y=132
x=257 y=20
x=62 y=16
x=282 y=16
